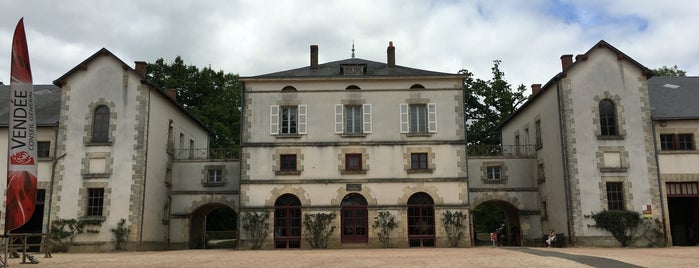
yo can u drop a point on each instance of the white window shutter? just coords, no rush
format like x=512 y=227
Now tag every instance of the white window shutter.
x=404 y=118
x=366 y=120
x=338 y=118
x=302 y=119
x=274 y=120
x=432 y=117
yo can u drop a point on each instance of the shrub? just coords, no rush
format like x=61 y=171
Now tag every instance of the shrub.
x=121 y=235
x=319 y=227
x=652 y=231
x=69 y=228
x=621 y=223
x=256 y=225
x=384 y=223
x=454 y=226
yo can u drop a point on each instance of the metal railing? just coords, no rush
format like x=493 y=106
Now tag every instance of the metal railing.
x=502 y=150
x=207 y=154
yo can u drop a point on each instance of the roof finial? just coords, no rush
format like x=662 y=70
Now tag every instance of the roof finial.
x=353 y=49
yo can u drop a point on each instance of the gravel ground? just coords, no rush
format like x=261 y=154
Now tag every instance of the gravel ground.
x=441 y=257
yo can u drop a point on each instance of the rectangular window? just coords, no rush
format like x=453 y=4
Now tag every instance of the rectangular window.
x=493 y=173
x=418 y=118
x=43 y=149
x=287 y=162
x=540 y=171
x=538 y=133
x=353 y=119
x=288 y=119
x=353 y=162
x=95 y=201
x=615 y=195
x=215 y=175
x=418 y=161
x=683 y=142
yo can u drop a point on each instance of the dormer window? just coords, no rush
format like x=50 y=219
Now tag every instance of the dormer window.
x=353 y=69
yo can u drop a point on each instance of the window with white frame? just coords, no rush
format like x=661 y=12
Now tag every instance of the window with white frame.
x=287 y=119
x=493 y=173
x=418 y=118
x=352 y=119
x=215 y=175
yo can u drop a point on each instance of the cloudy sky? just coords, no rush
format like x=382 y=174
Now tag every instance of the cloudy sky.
x=257 y=37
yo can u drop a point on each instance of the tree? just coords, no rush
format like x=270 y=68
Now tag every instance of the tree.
x=212 y=97
x=488 y=103
x=669 y=71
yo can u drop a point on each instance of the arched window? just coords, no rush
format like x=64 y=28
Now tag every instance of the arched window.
x=607 y=118
x=100 y=124
x=288 y=88
x=354 y=219
x=355 y=87
x=421 y=220
x=287 y=222
x=417 y=86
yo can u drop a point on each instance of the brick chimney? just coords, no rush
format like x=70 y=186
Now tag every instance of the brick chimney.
x=391 y=55
x=172 y=93
x=141 y=68
x=536 y=88
x=314 y=56
x=566 y=60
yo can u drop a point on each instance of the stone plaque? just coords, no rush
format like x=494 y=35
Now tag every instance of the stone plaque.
x=353 y=187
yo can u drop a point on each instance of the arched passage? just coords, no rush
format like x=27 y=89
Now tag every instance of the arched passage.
x=491 y=215
x=213 y=226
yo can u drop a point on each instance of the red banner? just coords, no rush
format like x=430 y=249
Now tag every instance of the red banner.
x=21 y=164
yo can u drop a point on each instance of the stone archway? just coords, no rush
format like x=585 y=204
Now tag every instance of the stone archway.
x=203 y=235
x=488 y=216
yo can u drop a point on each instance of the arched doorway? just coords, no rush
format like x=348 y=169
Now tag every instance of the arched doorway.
x=421 y=220
x=213 y=226
x=287 y=222
x=489 y=216
x=354 y=219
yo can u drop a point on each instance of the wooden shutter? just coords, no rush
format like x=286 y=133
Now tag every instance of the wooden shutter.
x=302 y=119
x=366 y=119
x=338 y=118
x=432 y=117
x=274 y=120
x=404 y=118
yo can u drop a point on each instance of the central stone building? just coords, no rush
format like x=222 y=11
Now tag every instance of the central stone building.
x=354 y=137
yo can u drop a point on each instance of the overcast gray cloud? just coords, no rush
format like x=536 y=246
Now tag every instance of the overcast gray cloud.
x=257 y=37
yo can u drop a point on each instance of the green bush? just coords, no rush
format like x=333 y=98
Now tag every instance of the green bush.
x=256 y=226
x=384 y=223
x=454 y=226
x=121 y=235
x=621 y=223
x=319 y=227
x=69 y=228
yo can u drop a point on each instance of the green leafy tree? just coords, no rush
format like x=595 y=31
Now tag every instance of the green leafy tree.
x=214 y=97
x=669 y=71
x=488 y=103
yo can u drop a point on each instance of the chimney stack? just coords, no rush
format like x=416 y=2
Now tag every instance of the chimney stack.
x=141 y=68
x=391 y=51
x=579 y=57
x=172 y=93
x=566 y=60
x=314 y=56
x=536 y=88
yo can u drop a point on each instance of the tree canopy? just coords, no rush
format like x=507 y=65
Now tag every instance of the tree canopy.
x=669 y=71
x=214 y=97
x=488 y=103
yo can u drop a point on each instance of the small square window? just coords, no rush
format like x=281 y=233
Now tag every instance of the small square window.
x=418 y=161
x=43 y=149
x=215 y=175
x=493 y=173
x=287 y=162
x=353 y=162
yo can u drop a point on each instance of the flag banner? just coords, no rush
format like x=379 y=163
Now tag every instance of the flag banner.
x=21 y=164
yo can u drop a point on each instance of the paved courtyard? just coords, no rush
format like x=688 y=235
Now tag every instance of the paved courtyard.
x=442 y=257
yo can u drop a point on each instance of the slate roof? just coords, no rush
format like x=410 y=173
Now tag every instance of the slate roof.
x=674 y=97
x=47 y=104
x=332 y=69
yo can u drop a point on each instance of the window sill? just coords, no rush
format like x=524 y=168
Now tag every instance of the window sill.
x=420 y=134
x=411 y=171
x=287 y=136
x=678 y=152
x=213 y=184
x=92 y=218
x=45 y=159
x=613 y=169
x=352 y=171
x=108 y=143
x=95 y=175
x=610 y=137
x=353 y=135
x=500 y=181
x=287 y=172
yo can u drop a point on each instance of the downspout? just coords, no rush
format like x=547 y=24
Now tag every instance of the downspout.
x=660 y=184
x=240 y=161
x=145 y=170
x=566 y=178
